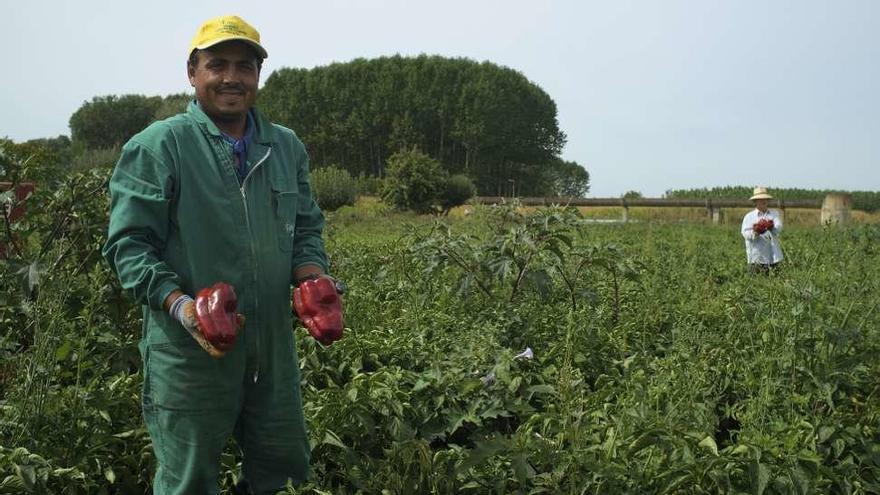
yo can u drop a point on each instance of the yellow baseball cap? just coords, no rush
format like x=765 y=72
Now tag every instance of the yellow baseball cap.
x=226 y=28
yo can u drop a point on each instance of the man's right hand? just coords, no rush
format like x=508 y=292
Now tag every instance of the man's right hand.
x=186 y=315
x=191 y=323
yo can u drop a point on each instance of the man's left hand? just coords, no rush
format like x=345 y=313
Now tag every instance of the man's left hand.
x=319 y=307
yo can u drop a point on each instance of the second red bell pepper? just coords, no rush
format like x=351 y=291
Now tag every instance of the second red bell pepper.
x=319 y=307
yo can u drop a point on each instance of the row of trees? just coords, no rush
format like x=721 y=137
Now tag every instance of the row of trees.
x=109 y=121
x=480 y=120
x=862 y=200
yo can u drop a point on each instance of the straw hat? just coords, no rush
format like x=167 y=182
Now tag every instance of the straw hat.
x=760 y=193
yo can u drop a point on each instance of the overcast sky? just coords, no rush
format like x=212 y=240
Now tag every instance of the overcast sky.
x=653 y=95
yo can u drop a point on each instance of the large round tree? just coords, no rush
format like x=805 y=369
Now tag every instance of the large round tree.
x=480 y=119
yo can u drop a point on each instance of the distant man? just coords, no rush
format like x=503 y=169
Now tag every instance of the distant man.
x=760 y=229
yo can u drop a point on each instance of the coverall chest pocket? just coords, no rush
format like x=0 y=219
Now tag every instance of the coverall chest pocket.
x=285 y=216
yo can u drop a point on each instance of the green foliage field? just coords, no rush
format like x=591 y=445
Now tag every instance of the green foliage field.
x=505 y=351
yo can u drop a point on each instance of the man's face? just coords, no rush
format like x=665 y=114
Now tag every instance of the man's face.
x=225 y=78
x=761 y=205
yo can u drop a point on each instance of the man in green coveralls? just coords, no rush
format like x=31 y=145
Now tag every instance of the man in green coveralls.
x=218 y=193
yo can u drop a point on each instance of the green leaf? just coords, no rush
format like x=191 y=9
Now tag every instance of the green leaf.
x=482 y=450
x=63 y=351
x=825 y=433
x=809 y=461
x=60 y=472
x=514 y=384
x=27 y=475
x=469 y=385
x=759 y=475
x=30 y=277
x=331 y=438
x=11 y=484
x=644 y=440
x=801 y=481
x=494 y=412
x=352 y=394
x=126 y=434
x=741 y=449
x=709 y=443
x=673 y=487
x=541 y=389
x=110 y=475
x=454 y=421
x=540 y=281
x=521 y=467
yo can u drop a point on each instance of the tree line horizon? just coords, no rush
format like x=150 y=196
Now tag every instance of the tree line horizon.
x=478 y=119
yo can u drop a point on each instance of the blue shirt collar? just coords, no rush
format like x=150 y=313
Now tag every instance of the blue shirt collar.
x=241 y=145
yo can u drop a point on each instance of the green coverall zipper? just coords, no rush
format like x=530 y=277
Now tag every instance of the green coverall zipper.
x=254 y=255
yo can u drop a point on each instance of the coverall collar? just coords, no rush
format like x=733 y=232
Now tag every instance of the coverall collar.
x=262 y=134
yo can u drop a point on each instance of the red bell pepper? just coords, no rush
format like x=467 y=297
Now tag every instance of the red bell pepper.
x=763 y=225
x=319 y=307
x=215 y=311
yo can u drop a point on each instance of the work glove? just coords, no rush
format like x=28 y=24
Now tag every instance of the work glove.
x=318 y=305
x=211 y=319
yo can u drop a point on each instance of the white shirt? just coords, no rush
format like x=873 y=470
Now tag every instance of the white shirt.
x=762 y=248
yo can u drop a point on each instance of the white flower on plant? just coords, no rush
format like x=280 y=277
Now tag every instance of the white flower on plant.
x=488 y=379
x=526 y=354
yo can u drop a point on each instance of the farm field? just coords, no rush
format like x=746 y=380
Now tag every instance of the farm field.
x=502 y=351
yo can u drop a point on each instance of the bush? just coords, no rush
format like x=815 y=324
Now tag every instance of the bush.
x=95 y=157
x=458 y=189
x=369 y=185
x=413 y=181
x=172 y=105
x=111 y=120
x=333 y=188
